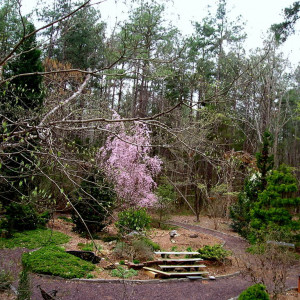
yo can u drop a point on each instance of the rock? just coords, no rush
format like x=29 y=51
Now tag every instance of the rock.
x=173 y=233
x=172 y=241
x=133 y=233
x=212 y=277
x=193 y=236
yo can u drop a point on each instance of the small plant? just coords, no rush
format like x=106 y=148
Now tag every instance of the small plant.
x=136 y=261
x=88 y=246
x=256 y=291
x=123 y=273
x=66 y=219
x=133 y=220
x=111 y=238
x=34 y=238
x=24 y=286
x=89 y=276
x=215 y=253
x=54 y=260
x=6 y=279
x=122 y=262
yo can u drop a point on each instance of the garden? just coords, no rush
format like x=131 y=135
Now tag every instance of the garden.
x=144 y=163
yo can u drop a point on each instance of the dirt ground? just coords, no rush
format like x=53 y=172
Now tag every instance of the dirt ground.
x=184 y=239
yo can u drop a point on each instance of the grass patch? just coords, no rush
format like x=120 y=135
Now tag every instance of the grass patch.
x=54 y=260
x=34 y=238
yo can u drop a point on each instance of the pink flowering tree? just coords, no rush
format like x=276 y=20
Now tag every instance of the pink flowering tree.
x=125 y=159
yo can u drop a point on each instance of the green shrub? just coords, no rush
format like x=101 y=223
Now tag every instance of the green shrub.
x=20 y=217
x=54 y=260
x=133 y=220
x=215 y=253
x=94 y=204
x=256 y=291
x=139 y=248
x=154 y=246
x=273 y=211
x=34 y=238
x=123 y=273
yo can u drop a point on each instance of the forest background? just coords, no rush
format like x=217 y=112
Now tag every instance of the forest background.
x=206 y=101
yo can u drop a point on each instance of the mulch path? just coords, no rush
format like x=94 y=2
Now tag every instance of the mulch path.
x=220 y=289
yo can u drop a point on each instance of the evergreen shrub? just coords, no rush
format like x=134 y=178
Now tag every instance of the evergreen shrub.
x=256 y=291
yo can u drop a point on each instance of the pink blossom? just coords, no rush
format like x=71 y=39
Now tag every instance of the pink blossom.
x=125 y=159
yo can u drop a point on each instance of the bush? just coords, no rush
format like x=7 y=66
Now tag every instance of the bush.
x=94 y=204
x=54 y=260
x=133 y=220
x=20 y=217
x=273 y=211
x=239 y=212
x=256 y=291
x=124 y=273
x=215 y=253
x=138 y=249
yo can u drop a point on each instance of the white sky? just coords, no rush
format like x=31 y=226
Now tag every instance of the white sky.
x=258 y=15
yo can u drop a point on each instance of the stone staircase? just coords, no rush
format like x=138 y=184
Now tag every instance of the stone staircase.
x=168 y=267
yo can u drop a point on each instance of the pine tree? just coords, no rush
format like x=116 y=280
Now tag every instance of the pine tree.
x=26 y=91
x=272 y=213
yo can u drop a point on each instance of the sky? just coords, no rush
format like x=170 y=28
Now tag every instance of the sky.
x=259 y=15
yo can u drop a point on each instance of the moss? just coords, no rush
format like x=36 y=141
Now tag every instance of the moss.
x=34 y=238
x=54 y=260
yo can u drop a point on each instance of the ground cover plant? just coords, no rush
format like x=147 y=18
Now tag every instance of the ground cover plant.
x=53 y=260
x=32 y=239
x=123 y=273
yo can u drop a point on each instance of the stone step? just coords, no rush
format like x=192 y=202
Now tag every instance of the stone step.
x=180 y=259
x=174 y=274
x=176 y=253
x=181 y=266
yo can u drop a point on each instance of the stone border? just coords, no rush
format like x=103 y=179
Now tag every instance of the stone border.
x=151 y=280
